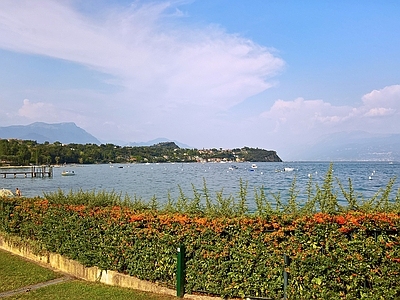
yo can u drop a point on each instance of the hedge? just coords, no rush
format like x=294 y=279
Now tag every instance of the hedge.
x=348 y=255
x=349 y=251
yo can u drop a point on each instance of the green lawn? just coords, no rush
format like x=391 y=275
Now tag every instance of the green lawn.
x=77 y=290
x=16 y=272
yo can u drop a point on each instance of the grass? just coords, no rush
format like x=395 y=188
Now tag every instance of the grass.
x=77 y=289
x=16 y=272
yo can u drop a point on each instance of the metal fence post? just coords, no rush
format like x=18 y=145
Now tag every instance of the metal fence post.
x=180 y=272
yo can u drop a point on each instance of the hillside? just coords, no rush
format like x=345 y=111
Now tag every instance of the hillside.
x=40 y=132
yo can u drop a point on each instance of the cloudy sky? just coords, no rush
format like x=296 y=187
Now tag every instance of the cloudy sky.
x=208 y=73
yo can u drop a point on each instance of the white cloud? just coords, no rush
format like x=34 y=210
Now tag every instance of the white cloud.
x=45 y=112
x=35 y=110
x=175 y=81
x=301 y=115
x=379 y=112
x=157 y=61
x=388 y=96
x=383 y=102
x=300 y=121
x=172 y=78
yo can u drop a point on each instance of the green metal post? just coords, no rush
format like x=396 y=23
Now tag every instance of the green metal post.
x=180 y=272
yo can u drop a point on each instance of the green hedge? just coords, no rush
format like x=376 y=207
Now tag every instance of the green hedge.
x=337 y=251
x=342 y=255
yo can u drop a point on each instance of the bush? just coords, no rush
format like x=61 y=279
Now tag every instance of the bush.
x=337 y=252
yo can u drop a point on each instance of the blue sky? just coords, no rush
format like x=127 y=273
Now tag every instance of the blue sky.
x=212 y=73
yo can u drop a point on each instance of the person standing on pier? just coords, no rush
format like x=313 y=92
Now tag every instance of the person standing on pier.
x=18 y=192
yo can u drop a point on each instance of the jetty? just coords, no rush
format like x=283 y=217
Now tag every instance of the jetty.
x=26 y=171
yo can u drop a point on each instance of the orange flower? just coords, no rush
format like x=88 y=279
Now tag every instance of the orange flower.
x=201 y=221
x=321 y=218
x=344 y=230
x=340 y=220
x=135 y=218
x=275 y=225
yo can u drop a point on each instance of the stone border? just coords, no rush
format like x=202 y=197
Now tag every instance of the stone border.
x=33 y=287
x=93 y=274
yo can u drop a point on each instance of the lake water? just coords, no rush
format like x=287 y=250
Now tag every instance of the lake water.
x=148 y=180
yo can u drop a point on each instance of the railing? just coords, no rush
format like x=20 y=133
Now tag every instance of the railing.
x=27 y=171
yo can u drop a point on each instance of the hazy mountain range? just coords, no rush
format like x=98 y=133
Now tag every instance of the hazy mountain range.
x=353 y=146
x=65 y=133
x=343 y=146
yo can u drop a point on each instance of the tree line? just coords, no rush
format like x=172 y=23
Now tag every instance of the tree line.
x=25 y=152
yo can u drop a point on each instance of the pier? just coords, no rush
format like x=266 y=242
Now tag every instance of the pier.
x=26 y=171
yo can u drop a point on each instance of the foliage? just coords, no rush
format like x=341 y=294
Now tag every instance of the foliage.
x=256 y=154
x=337 y=252
x=20 y=152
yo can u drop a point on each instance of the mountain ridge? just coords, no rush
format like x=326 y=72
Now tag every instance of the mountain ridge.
x=66 y=133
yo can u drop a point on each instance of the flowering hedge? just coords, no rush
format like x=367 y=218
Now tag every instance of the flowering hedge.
x=343 y=255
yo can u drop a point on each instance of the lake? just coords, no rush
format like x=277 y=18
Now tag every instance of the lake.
x=148 y=180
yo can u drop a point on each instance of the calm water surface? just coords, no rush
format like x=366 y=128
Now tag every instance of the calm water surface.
x=148 y=180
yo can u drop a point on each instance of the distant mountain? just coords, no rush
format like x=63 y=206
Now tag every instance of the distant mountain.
x=355 y=146
x=65 y=133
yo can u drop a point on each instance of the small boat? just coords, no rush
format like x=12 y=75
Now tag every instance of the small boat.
x=254 y=166
x=288 y=169
x=67 y=173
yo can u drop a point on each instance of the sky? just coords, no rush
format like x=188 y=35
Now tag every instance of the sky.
x=271 y=74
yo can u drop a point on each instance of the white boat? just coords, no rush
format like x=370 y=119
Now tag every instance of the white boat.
x=254 y=166
x=67 y=173
x=288 y=169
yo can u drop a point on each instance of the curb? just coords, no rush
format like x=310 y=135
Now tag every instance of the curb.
x=33 y=287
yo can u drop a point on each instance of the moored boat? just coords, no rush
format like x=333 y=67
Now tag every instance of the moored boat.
x=67 y=173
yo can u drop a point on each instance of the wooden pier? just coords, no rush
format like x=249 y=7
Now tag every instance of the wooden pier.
x=26 y=171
